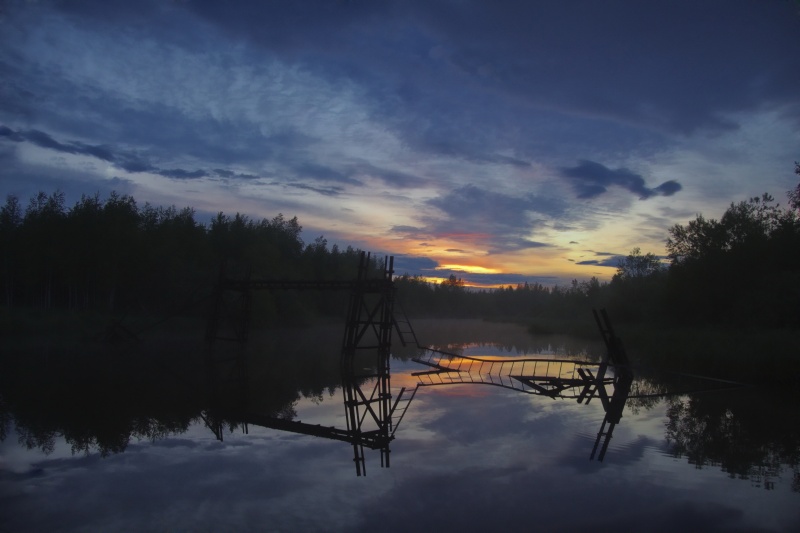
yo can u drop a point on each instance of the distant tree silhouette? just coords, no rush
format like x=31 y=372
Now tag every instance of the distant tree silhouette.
x=637 y=266
x=113 y=256
x=794 y=194
x=10 y=245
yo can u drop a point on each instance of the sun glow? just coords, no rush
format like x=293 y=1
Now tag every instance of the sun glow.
x=470 y=269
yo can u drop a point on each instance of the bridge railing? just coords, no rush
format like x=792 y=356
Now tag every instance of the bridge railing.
x=549 y=377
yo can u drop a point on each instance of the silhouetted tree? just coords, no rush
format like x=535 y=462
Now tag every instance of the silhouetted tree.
x=43 y=245
x=637 y=266
x=746 y=266
x=10 y=222
x=794 y=194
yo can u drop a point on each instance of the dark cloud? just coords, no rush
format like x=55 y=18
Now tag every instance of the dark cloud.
x=414 y=265
x=677 y=80
x=224 y=173
x=43 y=140
x=128 y=161
x=591 y=179
x=455 y=144
x=410 y=232
x=608 y=259
x=100 y=152
x=447 y=74
x=290 y=138
x=180 y=174
x=612 y=261
x=323 y=173
x=10 y=134
x=501 y=222
x=325 y=191
x=122 y=159
x=229 y=174
x=690 y=71
x=133 y=163
x=393 y=178
x=668 y=188
x=290 y=27
x=484 y=208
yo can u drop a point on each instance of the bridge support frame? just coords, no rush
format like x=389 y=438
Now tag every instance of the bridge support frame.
x=367 y=344
x=365 y=355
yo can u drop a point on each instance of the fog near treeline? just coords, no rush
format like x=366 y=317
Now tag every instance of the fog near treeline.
x=113 y=255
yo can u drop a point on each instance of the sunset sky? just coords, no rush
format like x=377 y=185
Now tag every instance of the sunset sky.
x=502 y=141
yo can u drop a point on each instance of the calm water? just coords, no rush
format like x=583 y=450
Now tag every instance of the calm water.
x=466 y=456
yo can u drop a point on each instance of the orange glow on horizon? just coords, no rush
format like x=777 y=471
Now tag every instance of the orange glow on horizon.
x=470 y=269
x=436 y=280
x=465 y=255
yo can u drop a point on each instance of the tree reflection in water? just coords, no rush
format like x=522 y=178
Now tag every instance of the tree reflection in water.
x=102 y=400
x=744 y=434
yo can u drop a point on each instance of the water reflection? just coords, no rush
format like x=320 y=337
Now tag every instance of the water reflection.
x=371 y=418
x=100 y=401
x=504 y=452
x=552 y=378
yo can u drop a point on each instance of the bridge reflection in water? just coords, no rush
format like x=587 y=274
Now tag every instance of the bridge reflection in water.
x=372 y=412
x=610 y=380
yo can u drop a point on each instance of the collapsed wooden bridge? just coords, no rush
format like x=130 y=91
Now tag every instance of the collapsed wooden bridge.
x=554 y=378
x=372 y=413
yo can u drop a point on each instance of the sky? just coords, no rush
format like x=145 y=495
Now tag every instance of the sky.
x=503 y=142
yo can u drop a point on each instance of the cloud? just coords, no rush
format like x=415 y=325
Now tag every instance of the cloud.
x=591 y=179
x=324 y=191
x=610 y=262
x=323 y=173
x=413 y=264
x=122 y=159
x=607 y=259
x=180 y=174
x=478 y=208
x=475 y=111
x=496 y=221
x=673 y=84
x=393 y=178
x=411 y=232
x=428 y=267
x=668 y=188
x=43 y=140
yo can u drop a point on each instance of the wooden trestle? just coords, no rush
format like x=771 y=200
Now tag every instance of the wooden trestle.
x=367 y=343
x=372 y=417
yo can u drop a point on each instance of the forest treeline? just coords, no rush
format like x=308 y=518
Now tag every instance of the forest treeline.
x=113 y=255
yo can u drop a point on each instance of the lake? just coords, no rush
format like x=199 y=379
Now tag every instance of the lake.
x=138 y=443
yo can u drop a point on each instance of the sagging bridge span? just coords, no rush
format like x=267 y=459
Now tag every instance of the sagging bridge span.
x=373 y=413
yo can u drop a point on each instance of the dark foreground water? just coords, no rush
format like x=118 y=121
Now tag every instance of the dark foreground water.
x=466 y=456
